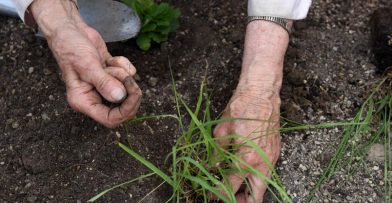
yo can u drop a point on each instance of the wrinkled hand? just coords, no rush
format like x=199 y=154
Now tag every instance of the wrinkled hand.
x=89 y=71
x=265 y=132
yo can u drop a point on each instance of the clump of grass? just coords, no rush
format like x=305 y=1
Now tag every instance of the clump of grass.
x=199 y=166
x=196 y=173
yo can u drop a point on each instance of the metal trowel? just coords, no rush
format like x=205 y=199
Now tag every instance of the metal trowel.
x=114 y=20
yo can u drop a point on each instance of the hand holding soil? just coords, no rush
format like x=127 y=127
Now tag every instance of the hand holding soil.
x=88 y=69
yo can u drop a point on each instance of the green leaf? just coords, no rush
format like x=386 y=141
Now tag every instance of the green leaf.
x=163 y=23
x=157 y=37
x=161 y=8
x=165 y=30
x=143 y=41
x=149 y=27
x=157 y=20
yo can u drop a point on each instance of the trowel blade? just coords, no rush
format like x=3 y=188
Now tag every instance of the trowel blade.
x=114 y=20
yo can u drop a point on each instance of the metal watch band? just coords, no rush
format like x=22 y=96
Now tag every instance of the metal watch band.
x=280 y=21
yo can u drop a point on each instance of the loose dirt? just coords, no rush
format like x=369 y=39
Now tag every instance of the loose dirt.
x=48 y=153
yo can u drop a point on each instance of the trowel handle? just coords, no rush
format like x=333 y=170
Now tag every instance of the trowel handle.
x=7 y=7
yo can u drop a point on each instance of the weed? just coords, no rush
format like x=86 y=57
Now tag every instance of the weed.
x=200 y=167
x=373 y=118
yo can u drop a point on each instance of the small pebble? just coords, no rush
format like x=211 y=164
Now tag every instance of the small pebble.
x=137 y=77
x=153 y=81
x=118 y=135
x=45 y=116
x=47 y=71
x=31 y=198
x=15 y=125
x=31 y=70
x=27 y=185
x=302 y=167
x=376 y=153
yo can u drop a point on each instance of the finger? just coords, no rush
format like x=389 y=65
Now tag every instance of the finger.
x=232 y=181
x=235 y=181
x=123 y=62
x=109 y=87
x=258 y=186
x=241 y=197
x=220 y=132
x=130 y=105
x=89 y=102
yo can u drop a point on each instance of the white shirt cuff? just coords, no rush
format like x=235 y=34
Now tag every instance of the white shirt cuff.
x=289 y=9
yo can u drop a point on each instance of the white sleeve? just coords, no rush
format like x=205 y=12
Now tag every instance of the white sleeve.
x=22 y=6
x=289 y=9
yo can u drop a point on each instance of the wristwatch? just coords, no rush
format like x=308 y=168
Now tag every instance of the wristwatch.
x=280 y=21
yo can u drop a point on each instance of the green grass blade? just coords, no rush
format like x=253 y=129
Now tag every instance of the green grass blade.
x=207 y=186
x=96 y=197
x=148 y=164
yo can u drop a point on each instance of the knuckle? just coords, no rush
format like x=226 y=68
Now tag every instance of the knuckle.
x=103 y=82
x=251 y=159
x=139 y=92
x=73 y=103
x=122 y=59
x=219 y=131
x=235 y=109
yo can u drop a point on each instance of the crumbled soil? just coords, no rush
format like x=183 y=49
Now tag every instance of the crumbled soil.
x=48 y=153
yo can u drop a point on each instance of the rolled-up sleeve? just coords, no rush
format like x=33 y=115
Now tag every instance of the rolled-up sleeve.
x=289 y=9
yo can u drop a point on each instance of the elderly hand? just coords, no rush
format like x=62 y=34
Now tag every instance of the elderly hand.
x=262 y=107
x=87 y=67
x=257 y=100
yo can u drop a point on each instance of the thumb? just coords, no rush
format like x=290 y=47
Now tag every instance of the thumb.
x=108 y=86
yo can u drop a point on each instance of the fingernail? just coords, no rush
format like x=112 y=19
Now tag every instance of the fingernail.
x=118 y=94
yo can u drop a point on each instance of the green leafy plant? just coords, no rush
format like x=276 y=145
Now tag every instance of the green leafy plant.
x=157 y=21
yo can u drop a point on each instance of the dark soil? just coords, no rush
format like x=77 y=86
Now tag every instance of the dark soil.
x=48 y=153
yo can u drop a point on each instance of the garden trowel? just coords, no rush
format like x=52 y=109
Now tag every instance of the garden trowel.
x=114 y=20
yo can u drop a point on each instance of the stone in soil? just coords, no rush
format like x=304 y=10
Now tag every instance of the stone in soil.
x=153 y=81
x=376 y=153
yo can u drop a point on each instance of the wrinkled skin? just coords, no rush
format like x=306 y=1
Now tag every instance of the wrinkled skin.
x=90 y=72
x=256 y=101
x=88 y=69
x=263 y=129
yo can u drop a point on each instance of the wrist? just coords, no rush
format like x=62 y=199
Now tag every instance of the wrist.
x=266 y=85
x=265 y=42
x=262 y=67
x=51 y=15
